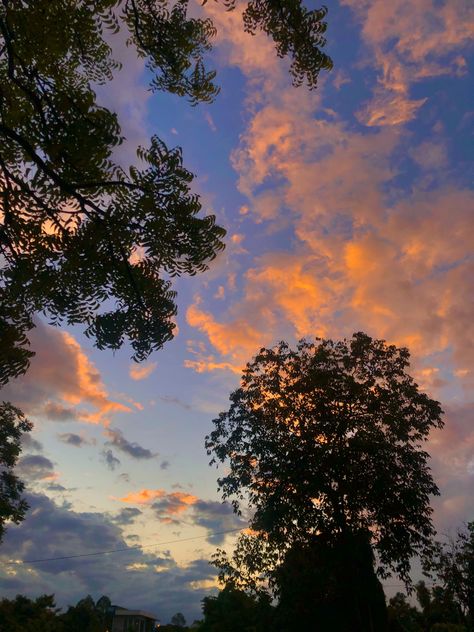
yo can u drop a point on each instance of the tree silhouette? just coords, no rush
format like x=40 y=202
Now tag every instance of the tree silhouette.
x=325 y=441
x=178 y=620
x=233 y=610
x=83 y=240
x=12 y=426
x=451 y=563
x=26 y=615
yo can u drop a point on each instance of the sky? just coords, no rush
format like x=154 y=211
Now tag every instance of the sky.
x=347 y=208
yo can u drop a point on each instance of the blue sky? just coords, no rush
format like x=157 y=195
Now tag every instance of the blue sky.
x=347 y=208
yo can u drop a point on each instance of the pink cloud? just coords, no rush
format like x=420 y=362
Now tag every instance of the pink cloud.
x=409 y=41
x=141 y=371
x=62 y=383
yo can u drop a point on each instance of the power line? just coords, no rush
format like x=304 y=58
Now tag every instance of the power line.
x=121 y=550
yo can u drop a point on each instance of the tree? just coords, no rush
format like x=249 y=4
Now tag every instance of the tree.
x=85 y=616
x=332 y=584
x=12 y=426
x=326 y=441
x=452 y=564
x=26 y=615
x=233 y=610
x=178 y=620
x=402 y=616
x=82 y=239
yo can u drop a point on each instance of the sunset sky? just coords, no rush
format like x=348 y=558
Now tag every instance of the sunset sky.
x=347 y=208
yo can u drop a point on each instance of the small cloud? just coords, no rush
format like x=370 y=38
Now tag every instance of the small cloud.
x=28 y=443
x=36 y=467
x=141 y=371
x=217 y=518
x=125 y=477
x=132 y=449
x=340 y=79
x=57 y=412
x=111 y=461
x=56 y=487
x=172 y=504
x=174 y=400
x=164 y=465
x=174 y=131
x=210 y=121
x=73 y=439
x=143 y=497
x=127 y=515
x=220 y=294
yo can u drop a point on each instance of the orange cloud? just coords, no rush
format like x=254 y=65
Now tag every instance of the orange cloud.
x=62 y=383
x=167 y=504
x=143 y=497
x=141 y=371
x=409 y=43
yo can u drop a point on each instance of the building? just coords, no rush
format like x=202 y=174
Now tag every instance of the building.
x=125 y=620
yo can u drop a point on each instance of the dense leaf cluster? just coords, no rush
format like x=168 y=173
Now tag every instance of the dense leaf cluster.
x=12 y=426
x=82 y=239
x=327 y=439
x=41 y=615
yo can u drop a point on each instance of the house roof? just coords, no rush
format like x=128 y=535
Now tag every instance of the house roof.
x=125 y=612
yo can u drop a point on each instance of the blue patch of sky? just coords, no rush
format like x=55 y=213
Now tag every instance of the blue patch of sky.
x=346 y=49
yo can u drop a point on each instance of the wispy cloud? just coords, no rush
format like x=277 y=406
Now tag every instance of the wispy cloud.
x=141 y=371
x=133 y=449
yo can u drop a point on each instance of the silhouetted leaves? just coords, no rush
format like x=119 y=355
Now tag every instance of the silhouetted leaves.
x=326 y=440
x=451 y=563
x=12 y=426
x=83 y=240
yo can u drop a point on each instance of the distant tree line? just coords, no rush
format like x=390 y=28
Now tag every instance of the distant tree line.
x=444 y=606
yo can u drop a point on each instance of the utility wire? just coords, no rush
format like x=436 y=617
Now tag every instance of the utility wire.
x=121 y=550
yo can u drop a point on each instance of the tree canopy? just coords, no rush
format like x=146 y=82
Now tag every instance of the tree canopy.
x=451 y=563
x=327 y=440
x=12 y=426
x=83 y=239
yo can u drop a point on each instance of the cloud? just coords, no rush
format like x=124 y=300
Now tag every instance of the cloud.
x=118 y=441
x=143 y=497
x=169 y=508
x=127 y=515
x=35 y=467
x=217 y=518
x=73 y=439
x=31 y=444
x=110 y=459
x=166 y=503
x=408 y=44
x=169 y=505
x=151 y=582
x=167 y=399
x=372 y=223
x=62 y=384
x=141 y=371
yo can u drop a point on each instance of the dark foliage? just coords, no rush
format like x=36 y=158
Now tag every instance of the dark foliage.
x=326 y=440
x=235 y=611
x=330 y=585
x=451 y=564
x=41 y=615
x=325 y=443
x=83 y=240
x=26 y=615
x=12 y=426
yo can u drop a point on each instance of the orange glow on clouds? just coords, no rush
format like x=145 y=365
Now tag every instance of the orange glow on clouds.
x=141 y=371
x=176 y=502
